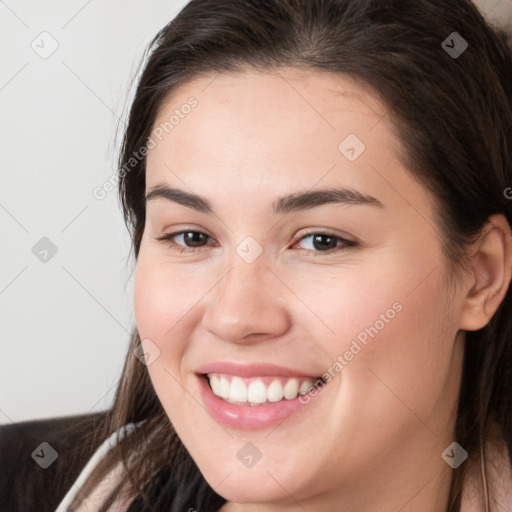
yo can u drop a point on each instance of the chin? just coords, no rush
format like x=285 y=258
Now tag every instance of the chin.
x=245 y=486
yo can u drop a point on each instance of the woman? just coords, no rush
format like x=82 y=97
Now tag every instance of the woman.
x=319 y=200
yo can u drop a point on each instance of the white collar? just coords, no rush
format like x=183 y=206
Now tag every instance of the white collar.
x=93 y=501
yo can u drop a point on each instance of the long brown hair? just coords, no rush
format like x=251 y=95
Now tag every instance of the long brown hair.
x=454 y=118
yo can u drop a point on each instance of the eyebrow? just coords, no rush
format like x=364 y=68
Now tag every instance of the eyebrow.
x=290 y=203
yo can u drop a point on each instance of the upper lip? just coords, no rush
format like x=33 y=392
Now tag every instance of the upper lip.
x=250 y=369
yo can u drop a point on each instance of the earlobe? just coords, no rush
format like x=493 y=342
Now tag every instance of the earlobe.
x=491 y=271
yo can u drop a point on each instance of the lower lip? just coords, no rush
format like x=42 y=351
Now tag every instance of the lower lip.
x=247 y=417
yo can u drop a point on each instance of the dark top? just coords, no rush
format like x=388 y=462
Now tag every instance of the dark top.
x=25 y=485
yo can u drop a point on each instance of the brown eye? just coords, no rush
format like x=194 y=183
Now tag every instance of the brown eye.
x=326 y=242
x=191 y=239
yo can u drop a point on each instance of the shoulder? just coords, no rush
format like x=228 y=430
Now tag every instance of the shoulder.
x=41 y=459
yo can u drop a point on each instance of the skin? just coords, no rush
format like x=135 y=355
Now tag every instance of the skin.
x=373 y=438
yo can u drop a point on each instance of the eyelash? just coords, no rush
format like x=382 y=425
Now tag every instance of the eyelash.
x=167 y=237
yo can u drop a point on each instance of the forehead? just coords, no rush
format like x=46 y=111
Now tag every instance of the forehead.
x=260 y=100
x=293 y=85
x=254 y=114
x=282 y=128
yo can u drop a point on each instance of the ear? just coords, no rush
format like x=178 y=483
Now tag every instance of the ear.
x=491 y=262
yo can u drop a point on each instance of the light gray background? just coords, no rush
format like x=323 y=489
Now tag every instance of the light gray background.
x=65 y=323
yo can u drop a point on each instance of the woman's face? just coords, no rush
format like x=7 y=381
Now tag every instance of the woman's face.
x=265 y=288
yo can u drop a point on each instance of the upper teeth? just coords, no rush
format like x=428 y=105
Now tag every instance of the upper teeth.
x=257 y=390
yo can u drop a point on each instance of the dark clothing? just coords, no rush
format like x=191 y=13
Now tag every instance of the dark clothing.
x=25 y=486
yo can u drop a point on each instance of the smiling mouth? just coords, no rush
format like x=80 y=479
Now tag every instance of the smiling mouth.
x=256 y=391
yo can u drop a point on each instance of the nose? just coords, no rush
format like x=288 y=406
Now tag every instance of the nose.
x=248 y=305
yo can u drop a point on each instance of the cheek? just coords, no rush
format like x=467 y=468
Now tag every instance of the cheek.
x=392 y=350
x=168 y=308
x=388 y=316
x=158 y=310
x=164 y=302
x=162 y=315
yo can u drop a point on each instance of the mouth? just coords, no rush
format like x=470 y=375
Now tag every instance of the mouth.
x=257 y=391
x=257 y=396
